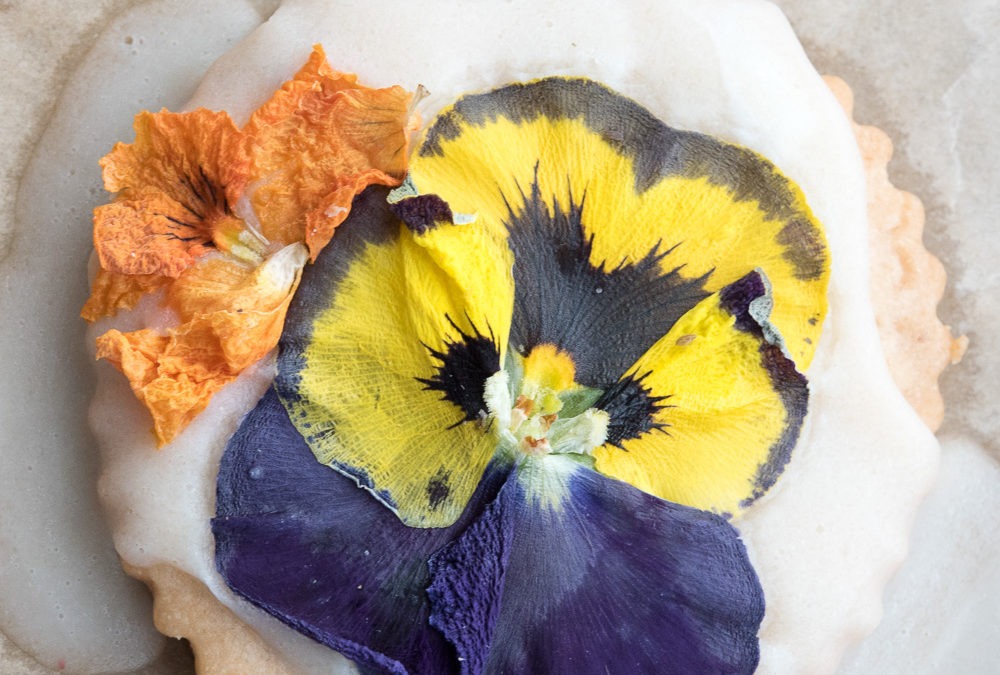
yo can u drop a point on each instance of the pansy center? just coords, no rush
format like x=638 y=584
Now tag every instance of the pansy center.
x=536 y=407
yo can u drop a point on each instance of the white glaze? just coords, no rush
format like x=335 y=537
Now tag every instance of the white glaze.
x=828 y=536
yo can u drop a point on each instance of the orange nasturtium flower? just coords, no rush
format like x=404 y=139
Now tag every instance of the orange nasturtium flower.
x=222 y=220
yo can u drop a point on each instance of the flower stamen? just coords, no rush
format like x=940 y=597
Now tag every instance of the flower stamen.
x=528 y=411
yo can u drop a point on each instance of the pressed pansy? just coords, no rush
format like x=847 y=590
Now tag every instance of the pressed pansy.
x=556 y=359
x=223 y=218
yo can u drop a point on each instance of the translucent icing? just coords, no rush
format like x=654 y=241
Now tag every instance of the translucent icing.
x=834 y=527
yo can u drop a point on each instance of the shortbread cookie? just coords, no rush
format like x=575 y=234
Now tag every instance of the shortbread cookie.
x=907 y=280
x=805 y=628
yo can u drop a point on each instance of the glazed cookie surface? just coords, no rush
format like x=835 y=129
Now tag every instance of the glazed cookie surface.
x=822 y=497
x=474 y=83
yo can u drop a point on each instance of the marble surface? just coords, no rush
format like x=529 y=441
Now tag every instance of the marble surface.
x=923 y=71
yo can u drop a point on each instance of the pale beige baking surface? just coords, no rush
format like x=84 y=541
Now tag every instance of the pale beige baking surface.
x=921 y=70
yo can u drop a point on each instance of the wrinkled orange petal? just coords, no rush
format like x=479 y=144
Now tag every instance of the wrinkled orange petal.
x=112 y=292
x=178 y=184
x=148 y=234
x=220 y=283
x=150 y=361
x=196 y=158
x=232 y=316
x=318 y=142
x=317 y=69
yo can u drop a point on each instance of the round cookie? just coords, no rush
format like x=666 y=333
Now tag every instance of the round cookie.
x=818 y=645
x=223 y=643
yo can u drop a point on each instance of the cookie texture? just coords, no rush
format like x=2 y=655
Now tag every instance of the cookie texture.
x=907 y=280
x=184 y=608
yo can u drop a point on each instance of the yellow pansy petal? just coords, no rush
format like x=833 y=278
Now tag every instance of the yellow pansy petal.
x=709 y=415
x=724 y=224
x=710 y=211
x=385 y=352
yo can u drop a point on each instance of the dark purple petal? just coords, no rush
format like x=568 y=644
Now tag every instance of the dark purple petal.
x=468 y=578
x=572 y=572
x=737 y=297
x=306 y=545
x=422 y=212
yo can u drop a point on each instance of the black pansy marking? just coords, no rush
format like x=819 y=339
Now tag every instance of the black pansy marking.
x=606 y=314
x=633 y=410
x=463 y=367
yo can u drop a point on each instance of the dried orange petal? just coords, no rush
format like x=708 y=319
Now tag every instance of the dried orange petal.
x=232 y=316
x=174 y=389
x=220 y=283
x=149 y=234
x=177 y=185
x=318 y=142
x=196 y=158
x=112 y=292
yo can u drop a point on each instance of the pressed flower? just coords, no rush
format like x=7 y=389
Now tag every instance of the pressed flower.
x=638 y=582
x=193 y=187
x=176 y=188
x=319 y=141
x=557 y=359
x=234 y=315
x=111 y=292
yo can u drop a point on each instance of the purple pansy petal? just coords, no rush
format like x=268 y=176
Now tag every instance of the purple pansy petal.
x=305 y=544
x=572 y=572
x=468 y=578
